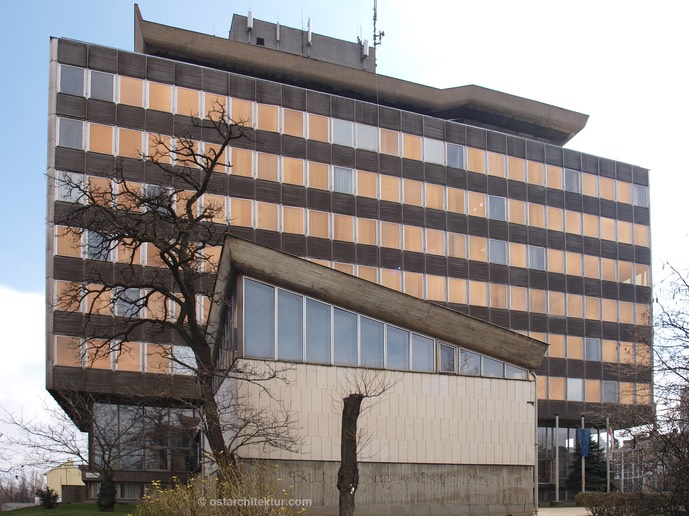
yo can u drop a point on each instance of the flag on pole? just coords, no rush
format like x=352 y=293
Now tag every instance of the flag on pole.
x=583 y=438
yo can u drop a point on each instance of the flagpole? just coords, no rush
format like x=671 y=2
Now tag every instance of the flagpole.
x=607 y=459
x=557 y=457
x=583 y=459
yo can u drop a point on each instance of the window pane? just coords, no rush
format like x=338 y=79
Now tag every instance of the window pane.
x=367 y=184
x=591 y=225
x=556 y=261
x=371 y=342
x=593 y=349
x=624 y=192
x=343 y=180
x=575 y=389
x=240 y=212
x=493 y=368
x=639 y=195
x=457 y=291
x=187 y=102
x=412 y=146
x=555 y=218
x=319 y=224
x=159 y=96
x=517 y=212
x=267 y=166
x=515 y=168
x=477 y=204
x=318 y=176
x=518 y=297
x=435 y=288
x=469 y=363
x=130 y=143
x=267 y=118
x=267 y=216
x=476 y=160
x=343 y=132
x=591 y=266
x=498 y=296
x=293 y=220
x=293 y=171
x=536 y=215
x=534 y=171
x=367 y=137
x=214 y=106
x=589 y=185
x=389 y=142
x=575 y=305
x=435 y=242
x=422 y=353
x=102 y=86
x=131 y=91
x=455 y=200
x=97 y=247
x=447 y=359
x=185 y=360
x=398 y=348
x=259 y=319
x=72 y=80
x=318 y=128
x=413 y=239
x=593 y=391
x=455 y=155
x=413 y=284
x=572 y=181
x=641 y=235
x=293 y=122
x=70 y=133
x=497 y=208
x=344 y=337
x=366 y=231
x=498 y=251
x=290 y=328
x=516 y=372
x=478 y=293
x=242 y=112
x=317 y=332
x=100 y=138
x=537 y=258
x=343 y=227
x=390 y=188
x=477 y=249
x=641 y=275
x=390 y=235
x=557 y=346
x=391 y=279
x=537 y=301
x=556 y=303
x=611 y=392
x=496 y=164
x=456 y=245
x=412 y=192
x=554 y=177
x=517 y=255
x=128 y=302
x=433 y=151
x=434 y=196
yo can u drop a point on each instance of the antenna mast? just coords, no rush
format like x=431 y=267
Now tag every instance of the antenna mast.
x=377 y=35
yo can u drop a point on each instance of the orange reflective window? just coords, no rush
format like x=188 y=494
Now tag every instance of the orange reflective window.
x=267 y=216
x=591 y=266
x=343 y=227
x=436 y=288
x=267 y=166
x=518 y=297
x=181 y=204
x=555 y=218
x=478 y=293
x=293 y=123
x=517 y=211
x=412 y=192
x=607 y=228
x=212 y=260
x=367 y=184
x=554 y=176
x=624 y=232
x=534 y=171
x=593 y=391
x=626 y=312
x=214 y=106
x=293 y=171
x=498 y=296
x=627 y=353
x=391 y=279
x=573 y=222
x=157 y=358
x=187 y=153
x=131 y=91
x=609 y=270
x=457 y=291
x=624 y=192
x=318 y=175
x=319 y=224
x=435 y=242
x=98 y=354
x=187 y=102
x=368 y=273
x=211 y=151
x=517 y=255
x=318 y=128
x=591 y=225
x=456 y=245
x=67 y=296
x=610 y=351
x=159 y=148
x=347 y=268
x=642 y=314
x=542 y=387
x=67 y=351
x=267 y=118
x=390 y=188
x=556 y=388
x=390 y=235
x=412 y=146
x=556 y=303
x=413 y=239
x=477 y=249
x=556 y=348
x=575 y=347
x=593 y=309
x=128 y=356
x=242 y=112
x=641 y=274
x=515 y=168
x=434 y=197
x=293 y=220
x=644 y=354
x=68 y=242
x=240 y=212
x=214 y=207
x=130 y=143
x=389 y=142
x=367 y=231
x=477 y=204
x=476 y=160
x=626 y=393
x=413 y=284
x=100 y=190
x=455 y=200
x=98 y=300
x=575 y=304
x=536 y=215
x=556 y=261
x=496 y=164
x=159 y=96
x=641 y=235
x=625 y=270
x=100 y=138
x=537 y=301
x=589 y=185
x=607 y=188
x=644 y=395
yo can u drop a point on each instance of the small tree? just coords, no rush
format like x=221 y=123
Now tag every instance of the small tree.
x=595 y=468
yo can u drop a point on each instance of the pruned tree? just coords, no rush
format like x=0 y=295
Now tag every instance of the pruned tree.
x=356 y=386
x=177 y=218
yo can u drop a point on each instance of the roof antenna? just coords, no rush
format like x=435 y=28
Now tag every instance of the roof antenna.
x=377 y=35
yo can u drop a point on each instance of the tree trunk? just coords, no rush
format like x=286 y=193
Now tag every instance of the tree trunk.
x=348 y=474
x=224 y=460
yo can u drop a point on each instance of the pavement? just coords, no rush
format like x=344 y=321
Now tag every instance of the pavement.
x=562 y=511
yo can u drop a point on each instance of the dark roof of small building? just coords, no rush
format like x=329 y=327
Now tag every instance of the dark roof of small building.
x=473 y=105
x=242 y=257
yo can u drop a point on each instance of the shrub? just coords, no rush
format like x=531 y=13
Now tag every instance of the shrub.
x=198 y=496
x=624 y=504
x=48 y=497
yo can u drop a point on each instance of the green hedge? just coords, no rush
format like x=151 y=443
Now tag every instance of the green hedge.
x=624 y=504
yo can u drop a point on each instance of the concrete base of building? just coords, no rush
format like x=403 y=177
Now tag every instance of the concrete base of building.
x=387 y=489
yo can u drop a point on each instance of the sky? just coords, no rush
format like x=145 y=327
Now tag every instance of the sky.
x=621 y=62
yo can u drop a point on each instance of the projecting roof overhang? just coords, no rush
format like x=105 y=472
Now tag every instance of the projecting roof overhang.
x=242 y=257
x=471 y=104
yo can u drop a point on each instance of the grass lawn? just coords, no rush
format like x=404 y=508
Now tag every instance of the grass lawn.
x=69 y=509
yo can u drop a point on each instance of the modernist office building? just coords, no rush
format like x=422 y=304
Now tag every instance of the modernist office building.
x=464 y=197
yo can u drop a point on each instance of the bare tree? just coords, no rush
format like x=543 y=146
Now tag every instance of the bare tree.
x=179 y=221
x=356 y=385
